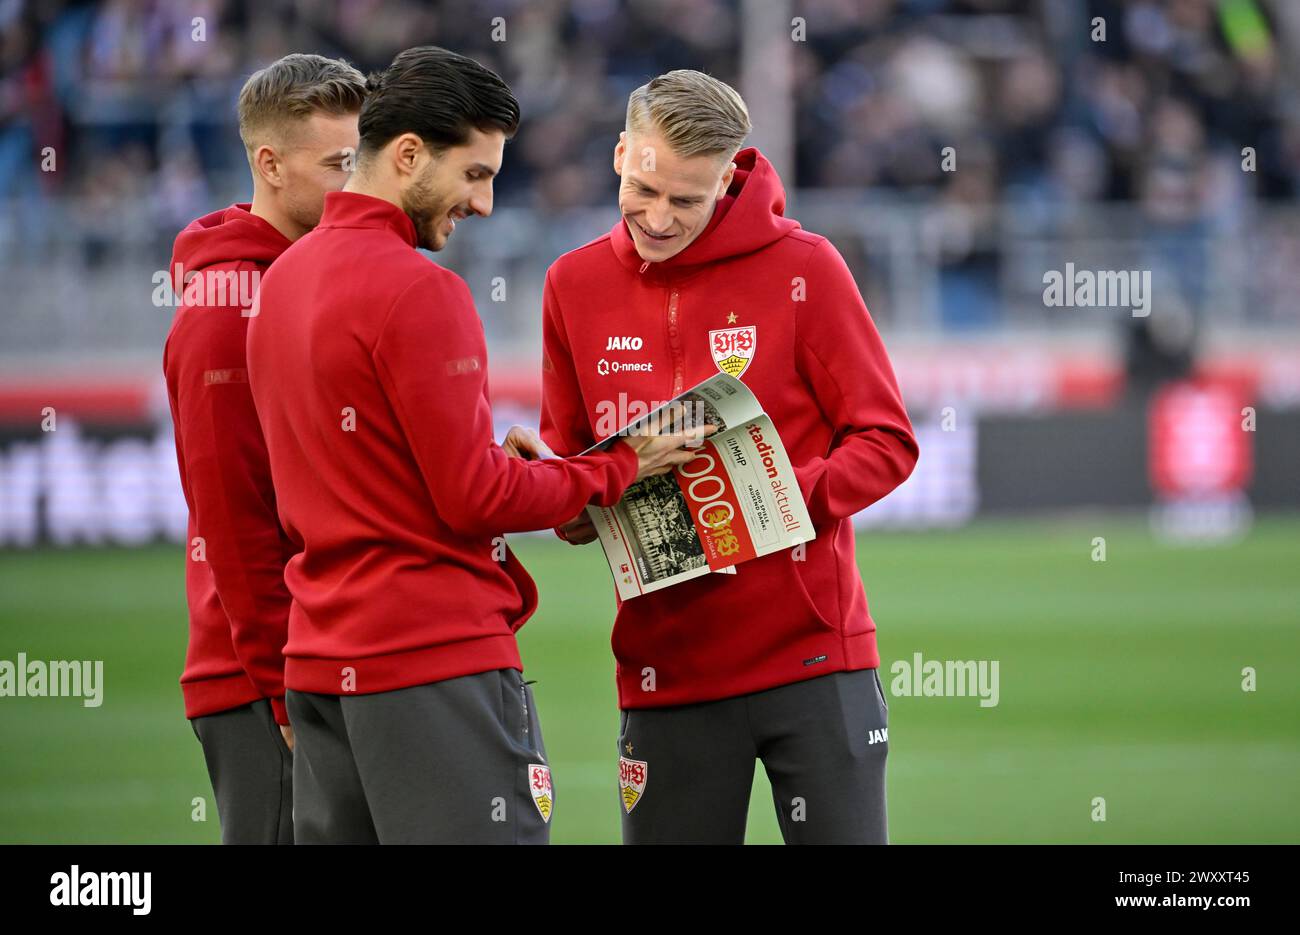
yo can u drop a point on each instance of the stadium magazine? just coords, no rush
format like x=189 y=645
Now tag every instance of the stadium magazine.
x=737 y=500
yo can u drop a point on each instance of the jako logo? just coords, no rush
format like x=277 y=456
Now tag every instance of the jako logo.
x=623 y=344
x=103 y=889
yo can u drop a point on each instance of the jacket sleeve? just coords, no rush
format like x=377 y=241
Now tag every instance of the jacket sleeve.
x=431 y=359
x=220 y=442
x=564 y=424
x=841 y=357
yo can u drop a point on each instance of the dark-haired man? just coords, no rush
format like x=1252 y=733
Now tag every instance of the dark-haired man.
x=298 y=121
x=368 y=364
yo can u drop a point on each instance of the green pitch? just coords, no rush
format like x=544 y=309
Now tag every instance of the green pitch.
x=1119 y=680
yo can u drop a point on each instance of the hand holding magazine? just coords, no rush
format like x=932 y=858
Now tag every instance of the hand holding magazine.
x=737 y=500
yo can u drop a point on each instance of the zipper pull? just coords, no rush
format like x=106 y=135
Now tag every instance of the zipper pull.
x=644 y=267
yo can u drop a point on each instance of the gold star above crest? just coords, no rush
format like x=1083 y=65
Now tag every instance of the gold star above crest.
x=731 y=318
x=629 y=749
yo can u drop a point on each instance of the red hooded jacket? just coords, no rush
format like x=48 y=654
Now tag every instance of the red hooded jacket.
x=234 y=576
x=369 y=368
x=818 y=368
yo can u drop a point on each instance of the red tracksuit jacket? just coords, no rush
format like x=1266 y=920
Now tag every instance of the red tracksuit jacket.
x=819 y=369
x=369 y=369
x=239 y=606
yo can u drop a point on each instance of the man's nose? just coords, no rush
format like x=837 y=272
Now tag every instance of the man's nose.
x=658 y=219
x=481 y=202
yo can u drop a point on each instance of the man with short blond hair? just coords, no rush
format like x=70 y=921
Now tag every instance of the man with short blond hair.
x=777 y=662
x=694 y=113
x=298 y=120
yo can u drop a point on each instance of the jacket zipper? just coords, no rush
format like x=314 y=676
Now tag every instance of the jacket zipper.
x=674 y=336
x=674 y=342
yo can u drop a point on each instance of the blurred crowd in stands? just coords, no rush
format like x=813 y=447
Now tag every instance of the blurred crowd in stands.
x=1043 y=104
x=1021 y=89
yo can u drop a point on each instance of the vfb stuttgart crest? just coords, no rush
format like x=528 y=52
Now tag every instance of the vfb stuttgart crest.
x=539 y=784
x=631 y=781
x=733 y=348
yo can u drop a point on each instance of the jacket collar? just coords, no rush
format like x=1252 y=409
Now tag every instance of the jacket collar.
x=352 y=209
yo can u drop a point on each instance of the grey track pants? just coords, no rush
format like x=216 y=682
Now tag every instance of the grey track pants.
x=251 y=770
x=459 y=761
x=685 y=772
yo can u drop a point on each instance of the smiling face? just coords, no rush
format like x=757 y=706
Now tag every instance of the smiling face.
x=453 y=185
x=666 y=200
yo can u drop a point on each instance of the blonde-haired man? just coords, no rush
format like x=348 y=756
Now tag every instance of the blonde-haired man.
x=778 y=661
x=298 y=121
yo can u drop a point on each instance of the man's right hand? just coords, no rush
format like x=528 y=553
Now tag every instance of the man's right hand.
x=655 y=454
x=659 y=454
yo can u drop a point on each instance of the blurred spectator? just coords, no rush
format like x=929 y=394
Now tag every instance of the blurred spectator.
x=136 y=98
x=882 y=84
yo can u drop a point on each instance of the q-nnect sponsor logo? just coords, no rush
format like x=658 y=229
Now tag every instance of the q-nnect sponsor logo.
x=105 y=888
x=605 y=367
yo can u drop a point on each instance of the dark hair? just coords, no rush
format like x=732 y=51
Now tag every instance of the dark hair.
x=437 y=95
x=294 y=88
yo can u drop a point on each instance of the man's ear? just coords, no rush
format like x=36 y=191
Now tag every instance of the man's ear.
x=620 y=148
x=725 y=182
x=407 y=154
x=267 y=167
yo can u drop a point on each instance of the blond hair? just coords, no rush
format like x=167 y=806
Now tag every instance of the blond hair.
x=293 y=88
x=695 y=113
